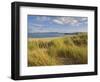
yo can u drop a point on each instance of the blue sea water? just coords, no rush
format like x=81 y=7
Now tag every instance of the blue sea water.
x=44 y=35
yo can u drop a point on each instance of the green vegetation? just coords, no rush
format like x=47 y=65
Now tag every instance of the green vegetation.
x=64 y=50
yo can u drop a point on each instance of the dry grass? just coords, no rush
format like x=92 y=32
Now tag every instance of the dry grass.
x=65 y=50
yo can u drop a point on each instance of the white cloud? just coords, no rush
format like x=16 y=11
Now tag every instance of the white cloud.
x=37 y=25
x=57 y=21
x=69 y=20
x=84 y=19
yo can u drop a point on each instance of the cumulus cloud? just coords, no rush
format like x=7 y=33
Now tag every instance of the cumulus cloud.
x=69 y=20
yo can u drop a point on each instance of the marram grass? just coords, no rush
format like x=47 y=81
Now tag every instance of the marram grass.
x=66 y=50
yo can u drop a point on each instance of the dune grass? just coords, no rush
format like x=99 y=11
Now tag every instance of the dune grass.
x=66 y=50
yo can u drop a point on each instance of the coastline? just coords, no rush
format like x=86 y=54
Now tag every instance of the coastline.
x=45 y=39
x=49 y=38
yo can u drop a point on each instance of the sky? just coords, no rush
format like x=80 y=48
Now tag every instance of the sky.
x=61 y=24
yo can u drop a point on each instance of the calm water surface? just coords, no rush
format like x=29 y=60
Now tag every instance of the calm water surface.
x=44 y=35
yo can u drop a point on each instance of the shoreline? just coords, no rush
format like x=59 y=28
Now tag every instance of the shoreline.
x=49 y=38
x=45 y=39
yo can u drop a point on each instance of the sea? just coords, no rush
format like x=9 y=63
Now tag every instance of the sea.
x=44 y=35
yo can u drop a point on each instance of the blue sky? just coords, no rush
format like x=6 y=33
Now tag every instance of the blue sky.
x=62 y=24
